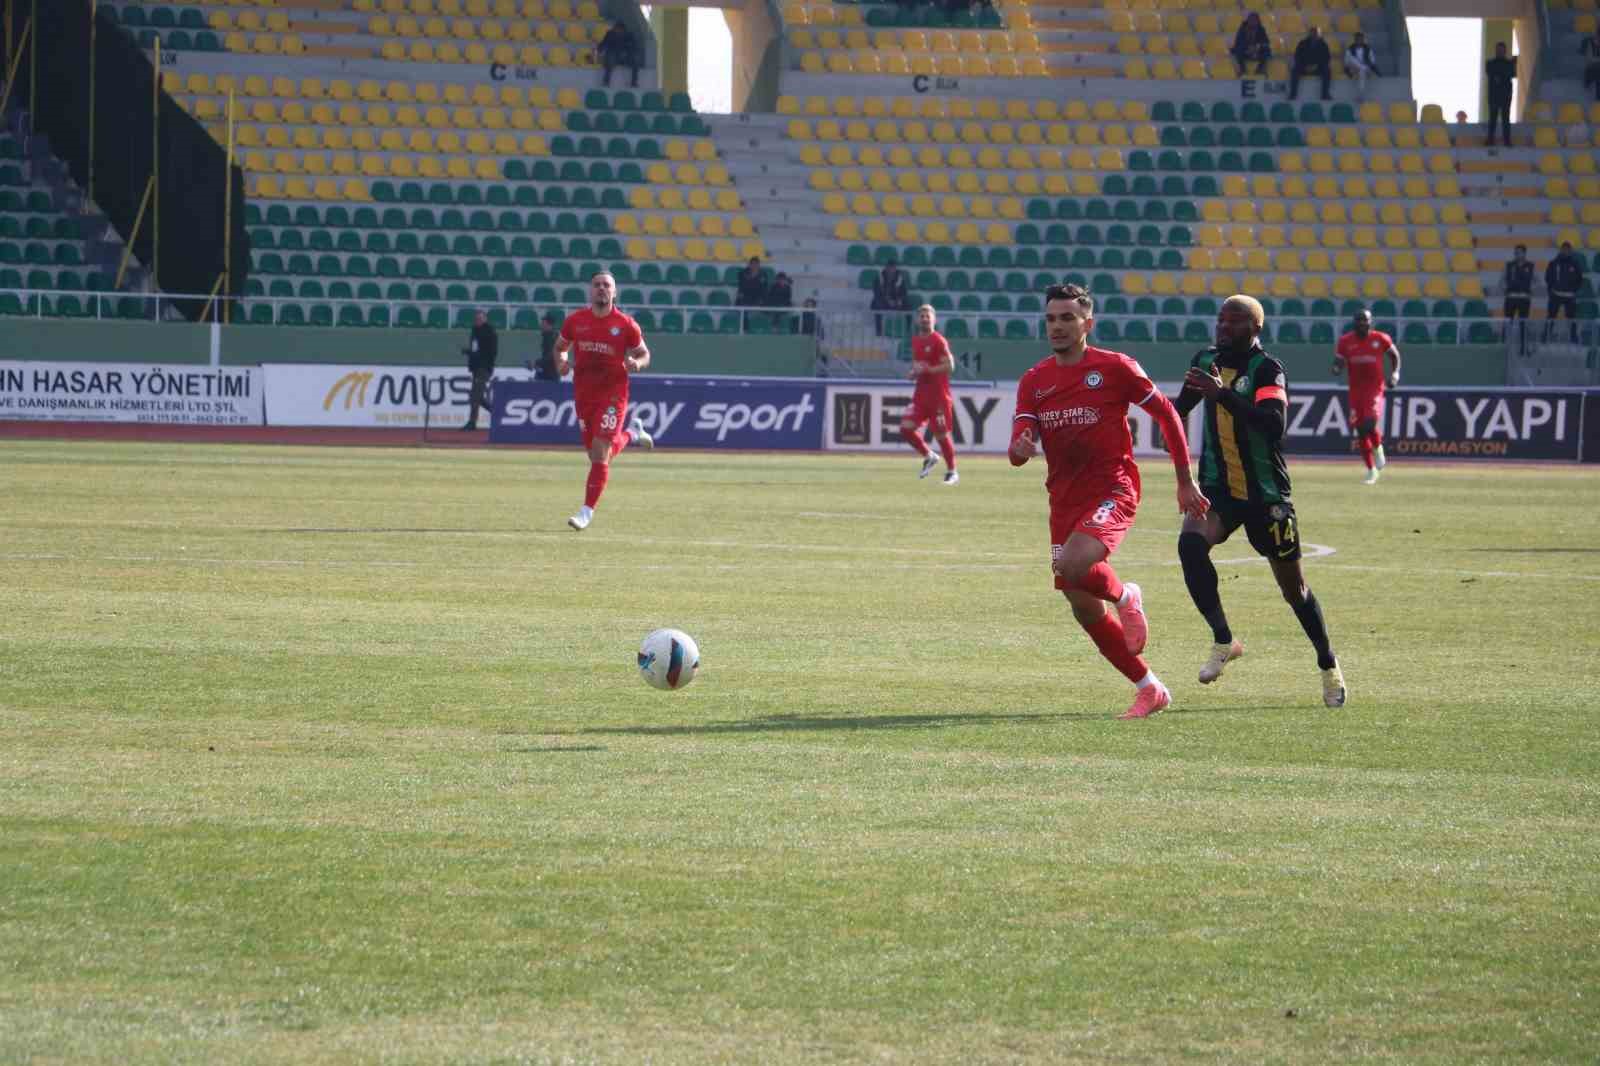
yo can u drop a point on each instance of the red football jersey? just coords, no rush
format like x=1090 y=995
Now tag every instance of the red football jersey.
x=1363 y=357
x=598 y=347
x=1080 y=414
x=932 y=389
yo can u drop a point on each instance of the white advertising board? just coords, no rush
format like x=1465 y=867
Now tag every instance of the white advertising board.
x=130 y=392
x=866 y=417
x=314 y=394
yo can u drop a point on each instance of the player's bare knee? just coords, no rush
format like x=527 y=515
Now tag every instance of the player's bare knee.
x=1071 y=571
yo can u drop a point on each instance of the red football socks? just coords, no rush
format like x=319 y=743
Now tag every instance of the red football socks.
x=1102 y=581
x=947 y=448
x=914 y=439
x=592 y=488
x=1107 y=636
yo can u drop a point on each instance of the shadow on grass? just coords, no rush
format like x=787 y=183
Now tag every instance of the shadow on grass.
x=401 y=529
x=1538 y=551
x=783 y=723
x=557 y=749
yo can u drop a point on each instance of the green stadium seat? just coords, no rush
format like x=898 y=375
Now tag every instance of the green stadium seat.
x=1311 y=114
x=1291 y=333
x=1117 y=185
x=1167 y=332
x=1416 y=333
x=1108 y=331
x=1448 y=333
x=1197 y=333
x=1341 y=112
x=1201 y=137
x=1163 y=111
x=1139 y=160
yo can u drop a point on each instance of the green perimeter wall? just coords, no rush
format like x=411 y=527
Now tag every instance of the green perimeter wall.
x=764 y=356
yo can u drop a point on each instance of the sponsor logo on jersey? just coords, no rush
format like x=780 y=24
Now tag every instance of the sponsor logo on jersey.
x=1070 y=416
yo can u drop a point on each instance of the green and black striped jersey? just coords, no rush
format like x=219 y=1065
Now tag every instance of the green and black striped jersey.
x=1238 y=457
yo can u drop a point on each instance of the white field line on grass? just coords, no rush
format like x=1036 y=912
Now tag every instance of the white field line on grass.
x=1318 y=554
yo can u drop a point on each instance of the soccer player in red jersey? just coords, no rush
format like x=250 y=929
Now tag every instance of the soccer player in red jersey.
x=1074 y=405
x=931 y=367
x=1363 y=351
x=606 y=347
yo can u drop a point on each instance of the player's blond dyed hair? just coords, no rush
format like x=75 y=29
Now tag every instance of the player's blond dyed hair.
x=1250 y=306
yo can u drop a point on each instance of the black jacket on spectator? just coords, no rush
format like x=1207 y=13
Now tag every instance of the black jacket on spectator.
x=1251 y=38
x=1564 y=277
x=1501 y=72
x=890 y=293
x=1311 y=52
x=781 y=293
x=484 y=349
x=1519 y=279
x=752 y=287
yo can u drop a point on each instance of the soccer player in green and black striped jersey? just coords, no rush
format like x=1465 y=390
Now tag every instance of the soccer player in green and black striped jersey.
x=1243 y=473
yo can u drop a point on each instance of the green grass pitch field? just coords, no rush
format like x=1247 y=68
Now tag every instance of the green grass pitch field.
x=315 y=755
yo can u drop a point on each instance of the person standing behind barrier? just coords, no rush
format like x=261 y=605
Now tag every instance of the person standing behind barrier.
x=1564 y=278
x=483 y=348
x=890 y=292
x=1501 y=71
x=1519 y=296
x=545 y=369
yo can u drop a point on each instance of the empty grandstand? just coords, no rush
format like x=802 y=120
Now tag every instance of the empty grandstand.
x=409 y=161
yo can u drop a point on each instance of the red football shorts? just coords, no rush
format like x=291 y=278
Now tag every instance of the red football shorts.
x=1366 y=406
x=941 y=413
x=1106 y=518
x=602 y=417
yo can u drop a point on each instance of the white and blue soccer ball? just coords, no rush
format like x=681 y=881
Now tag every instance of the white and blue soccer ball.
x=668 y=658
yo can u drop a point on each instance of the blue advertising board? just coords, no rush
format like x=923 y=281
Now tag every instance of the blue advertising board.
x=678 y=412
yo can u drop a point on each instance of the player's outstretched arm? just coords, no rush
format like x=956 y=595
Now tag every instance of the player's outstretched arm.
x=563 y=362
x=1394 y=375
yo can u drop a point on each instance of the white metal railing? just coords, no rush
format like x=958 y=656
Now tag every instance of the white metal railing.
x=865 y=339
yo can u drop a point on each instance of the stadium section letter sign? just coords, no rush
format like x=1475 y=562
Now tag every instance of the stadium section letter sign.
x=678 y=412
x=130 y=392
x=1448 y=423
x=866 y=417
x=308 y=394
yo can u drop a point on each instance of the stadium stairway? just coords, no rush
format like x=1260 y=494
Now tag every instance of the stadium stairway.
x=397 y=185
x=57 y=257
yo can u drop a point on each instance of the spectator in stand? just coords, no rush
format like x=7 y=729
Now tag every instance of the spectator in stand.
x=1501 y=71
x=1564 y=278
x=780 y=294
x=1311 y=56
x=1251 y=44
x=618 y=48
x=545 y=369
x=1359 y=62
x=1519 y=296
x=890 y=293
x=1591 y=71
x=808 y=318
x=752 y=287
x=483 y=348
